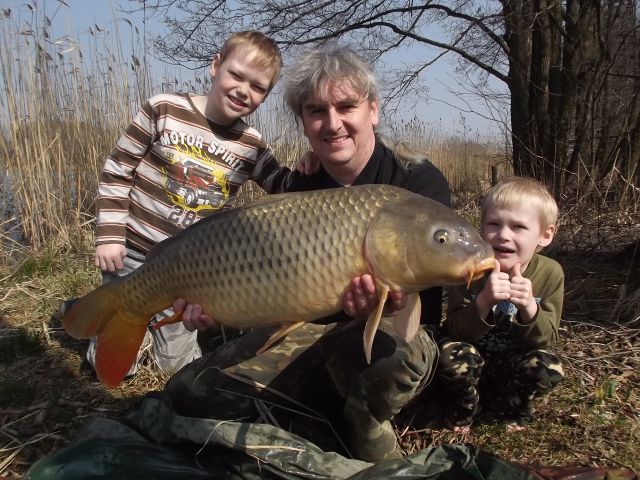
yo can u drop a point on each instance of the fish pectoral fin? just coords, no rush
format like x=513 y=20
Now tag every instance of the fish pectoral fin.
x=407 y=320
x=117 y=349
x=372 y=323
x=278 y=334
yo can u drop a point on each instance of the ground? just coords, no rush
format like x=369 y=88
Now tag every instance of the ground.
x=592 y=418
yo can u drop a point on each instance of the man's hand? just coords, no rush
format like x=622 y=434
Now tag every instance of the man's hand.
x=361 y=298
x=521 y=295
x=192 y=316
x=109 y=257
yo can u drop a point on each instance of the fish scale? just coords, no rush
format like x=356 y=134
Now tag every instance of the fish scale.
x=282 y=259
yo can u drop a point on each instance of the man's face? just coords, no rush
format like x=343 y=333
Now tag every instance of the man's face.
x=339 y=125
x=239 y=86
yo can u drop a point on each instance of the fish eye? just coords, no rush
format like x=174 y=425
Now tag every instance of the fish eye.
x=441 y=236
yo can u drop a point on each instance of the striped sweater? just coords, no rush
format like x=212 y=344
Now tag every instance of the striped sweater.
x=172 y=167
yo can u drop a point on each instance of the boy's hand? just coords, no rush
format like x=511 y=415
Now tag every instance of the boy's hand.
x=308 y=164
x=497 y=288
x=521 y=295
x=109 y=257
x=361 y=298
x=192 y=316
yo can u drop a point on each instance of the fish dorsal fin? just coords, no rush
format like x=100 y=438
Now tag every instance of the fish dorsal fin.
x=407 y=320
x=372 y=323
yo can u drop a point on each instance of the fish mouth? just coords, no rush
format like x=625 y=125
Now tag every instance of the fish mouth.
x=477 y=268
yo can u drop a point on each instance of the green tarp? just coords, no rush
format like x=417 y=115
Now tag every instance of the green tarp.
x=153 y=442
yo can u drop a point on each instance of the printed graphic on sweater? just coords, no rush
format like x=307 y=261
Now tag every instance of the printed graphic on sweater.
x=194 y=181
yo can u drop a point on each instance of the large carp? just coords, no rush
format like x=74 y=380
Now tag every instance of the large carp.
x=285 y=259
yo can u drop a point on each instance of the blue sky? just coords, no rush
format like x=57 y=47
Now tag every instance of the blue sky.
x=445 y=106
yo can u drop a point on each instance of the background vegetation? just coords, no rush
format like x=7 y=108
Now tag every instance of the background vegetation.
x=62 y=109
x=570 y=68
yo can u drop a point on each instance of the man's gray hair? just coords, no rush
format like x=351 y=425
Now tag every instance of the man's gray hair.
x=310 y=73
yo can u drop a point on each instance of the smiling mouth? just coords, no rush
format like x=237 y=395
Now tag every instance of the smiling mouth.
x=503 y=250
x=335 y=140
x=236 y=101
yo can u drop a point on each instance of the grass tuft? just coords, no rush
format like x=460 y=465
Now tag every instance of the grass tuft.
x=20 y=342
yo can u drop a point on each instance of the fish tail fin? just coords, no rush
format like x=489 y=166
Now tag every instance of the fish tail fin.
x=102 y=314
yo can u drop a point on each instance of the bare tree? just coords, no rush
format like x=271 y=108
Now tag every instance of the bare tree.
x=570 y=66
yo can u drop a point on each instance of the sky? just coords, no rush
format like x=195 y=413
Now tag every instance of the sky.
x=444 y=106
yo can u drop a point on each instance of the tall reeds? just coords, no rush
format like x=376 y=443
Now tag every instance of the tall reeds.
x=63 y=105
x=62 y=108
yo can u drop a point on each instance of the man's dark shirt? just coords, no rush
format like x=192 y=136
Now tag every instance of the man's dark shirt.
x=383 y=168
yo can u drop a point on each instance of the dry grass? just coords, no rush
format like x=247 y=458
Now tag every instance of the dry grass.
x=590 y=419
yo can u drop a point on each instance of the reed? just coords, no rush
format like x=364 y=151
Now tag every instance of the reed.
x=63 y=107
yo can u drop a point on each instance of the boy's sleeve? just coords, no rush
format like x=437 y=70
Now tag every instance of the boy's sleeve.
x=271 y=176
x=116 y=178
x=463 y=320
x=549 y=288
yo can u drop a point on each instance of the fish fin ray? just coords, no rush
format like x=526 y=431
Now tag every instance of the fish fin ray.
x=279 y=334
x=407 y=320
x=373 y=321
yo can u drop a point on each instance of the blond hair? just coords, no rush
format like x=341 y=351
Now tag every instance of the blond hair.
x=315 y=70
x=518 y=191
x=266 y=52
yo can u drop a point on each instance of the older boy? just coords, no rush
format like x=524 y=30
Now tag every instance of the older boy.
x=182 y=158
x=497 y=334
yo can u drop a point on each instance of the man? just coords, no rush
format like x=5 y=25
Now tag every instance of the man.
x=334 y=95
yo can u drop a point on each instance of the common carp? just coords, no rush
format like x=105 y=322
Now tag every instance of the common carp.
x=285 y=259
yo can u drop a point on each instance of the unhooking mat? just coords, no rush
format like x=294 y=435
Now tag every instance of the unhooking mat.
x=153 y=442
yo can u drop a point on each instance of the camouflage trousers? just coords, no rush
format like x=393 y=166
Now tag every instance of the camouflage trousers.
x=170 y=347
x=319 y=372
x=506 y=383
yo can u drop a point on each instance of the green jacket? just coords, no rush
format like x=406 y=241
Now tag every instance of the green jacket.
x=501 y=330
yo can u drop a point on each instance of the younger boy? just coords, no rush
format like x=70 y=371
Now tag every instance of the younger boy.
x=182 y=158
x=498 y=332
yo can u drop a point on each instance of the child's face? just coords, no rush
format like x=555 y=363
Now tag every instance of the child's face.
x=239 y=86
x=515 y=234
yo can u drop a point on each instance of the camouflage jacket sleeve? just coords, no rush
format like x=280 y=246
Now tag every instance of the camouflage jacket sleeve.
x=116 y=178
x=465 y=323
